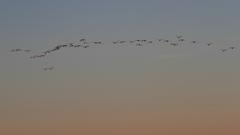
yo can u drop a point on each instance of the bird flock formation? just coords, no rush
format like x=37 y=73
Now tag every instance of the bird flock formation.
x=138 y=43
x=16 y=50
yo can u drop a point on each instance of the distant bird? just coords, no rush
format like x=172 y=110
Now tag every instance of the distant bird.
x=47 y=52
x=139 y=45
x=18 y=49
x=61 y=46
x=165 y=41
x=181 y=40
x=208 y=44
x=82 y=40
x=57 y=48
x=159 y=39
x=114 y=42
x=131 y=41
x=178 y=37
x=33 y=57
x=77 y=46
x=223 y=50
x=85 y=46
x=50 y=68
x=122 y=41
x=39 y=56
x=232 y=47
x=194 y=42
x=71 y=44
x=174 y=44
x=97 y=42
x=150 y=42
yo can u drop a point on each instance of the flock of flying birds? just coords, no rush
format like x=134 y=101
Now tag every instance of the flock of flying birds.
x=86 y=45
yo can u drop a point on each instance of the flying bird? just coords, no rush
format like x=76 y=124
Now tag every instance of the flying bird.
x=114 y=42
x=159 y=39
x=33 y=57
x=97 y=42
x=174 y=44
x=131 y=41
x=85 y=46
x=181 y=40
x=139 y=45
x=150 y=42
x=77 y=46
x=208 y=44
x=82 y=40
x=71 y=44
x=178 y=37
x=122 y=41
x=223 y=50
x=194 y=42
x=50 y=68
x=165 y=41
x=232 y=47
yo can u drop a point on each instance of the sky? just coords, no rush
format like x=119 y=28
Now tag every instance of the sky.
x=120 y=89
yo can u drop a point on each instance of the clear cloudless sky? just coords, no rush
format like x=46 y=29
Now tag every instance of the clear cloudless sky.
x=120 y=89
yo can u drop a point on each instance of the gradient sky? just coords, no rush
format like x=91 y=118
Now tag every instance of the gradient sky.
x=120 y=89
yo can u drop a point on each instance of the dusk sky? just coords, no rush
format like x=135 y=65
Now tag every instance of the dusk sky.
x=120 y=89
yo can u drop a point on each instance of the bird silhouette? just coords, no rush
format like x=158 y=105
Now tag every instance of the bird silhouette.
x=232 y=47
x=208 y=44
x=174 y=44
x=51 y=68
x=178 y=37
x=115 y=42
x=139 y=45
x=223 y=50
x=159 y=39
x=150 y=42
x=82 y=40
x=165 y=41
x=181 y=40
x=131 y=41
x=85 y=46
x=193 y=42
